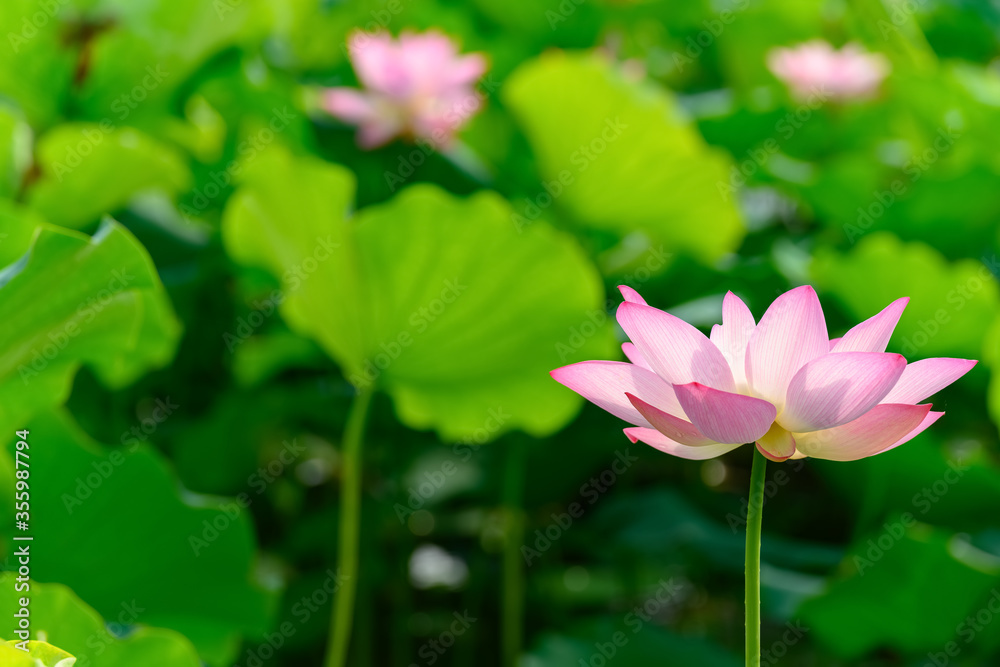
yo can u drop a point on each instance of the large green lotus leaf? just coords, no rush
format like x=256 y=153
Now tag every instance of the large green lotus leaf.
x=68 y=622
x=36 y=63
x=629 y=158
x=438 y=299
x=75 y=299
x=38 y=654
x=92 y=169
x=951 y=305
x=187 y=566
x=904 y=589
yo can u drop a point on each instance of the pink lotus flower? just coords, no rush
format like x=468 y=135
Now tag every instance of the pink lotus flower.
x=417 y=87
x=817 y=68
x=781 y=383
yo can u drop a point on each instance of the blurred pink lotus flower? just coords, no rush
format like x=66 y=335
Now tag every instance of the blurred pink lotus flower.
x=416 y=87
x=781 y=383
x=816 y=67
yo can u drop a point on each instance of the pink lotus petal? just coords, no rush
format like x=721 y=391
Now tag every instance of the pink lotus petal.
x=927 y=377
x=874 y=432
x=734 y=334
x=790 y=334
x=725 y=417
x=605 y=383
x=349 y=105
x=817 y=69
x=631 y=295
x=657 y=440
x=416 y=87
x=777 y=444
x=677 y=351
x=838 y=388
x=635 y=356
x=929 y=419
x=873 y=334
x=833 y=343
x=679 y=430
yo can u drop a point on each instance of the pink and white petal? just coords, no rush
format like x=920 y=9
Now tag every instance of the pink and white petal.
x=657 y=440
x=466 y=70
x=790 y=334
x=873 y=334
x=723 y=416
x=676 y=429
x=675 y=350
x=734 y=334
x=929 y=419
x=833 y=344
x=605 y=383
x=777 y=444
x=349 y=105
x=635 y=356
x=838 y=388
x=874 y=432
x=927 y=377
x=631 y=295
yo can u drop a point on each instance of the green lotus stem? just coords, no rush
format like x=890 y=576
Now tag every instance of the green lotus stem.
x=754 y=514
x=513 y=563
x=350 y=530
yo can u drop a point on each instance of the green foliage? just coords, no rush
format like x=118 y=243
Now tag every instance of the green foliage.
x=70 y=623
x=75 y=299
x=418 y=296
x=181 y=223
x=625 y=159
x=186 y=564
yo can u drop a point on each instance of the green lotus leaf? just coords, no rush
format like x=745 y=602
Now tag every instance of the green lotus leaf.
x=71 y=300
x=65 y=620
x=618 y=155
x=93 y=169
x=439 y=300
x=185 y=562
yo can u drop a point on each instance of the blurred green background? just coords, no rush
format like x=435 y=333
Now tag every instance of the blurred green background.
x=203 y=268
